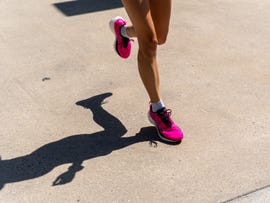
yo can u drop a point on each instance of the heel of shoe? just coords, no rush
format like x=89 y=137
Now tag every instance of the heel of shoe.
x=150 y=119
x=112 y=21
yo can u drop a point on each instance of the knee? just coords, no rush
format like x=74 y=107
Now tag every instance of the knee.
x=148 y=47
x=162 y=40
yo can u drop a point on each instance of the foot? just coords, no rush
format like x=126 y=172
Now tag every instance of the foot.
x=166 y=128
x=122 y=44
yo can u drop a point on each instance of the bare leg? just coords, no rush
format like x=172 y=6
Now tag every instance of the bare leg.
x=139 y=13
x=161 y=13
x=150 y=20
x=131 y=31
x=150 y=24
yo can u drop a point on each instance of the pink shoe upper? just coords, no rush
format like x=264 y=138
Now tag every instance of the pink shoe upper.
x=123 y=44
x=166 y=126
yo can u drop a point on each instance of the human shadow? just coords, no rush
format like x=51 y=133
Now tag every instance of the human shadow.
x=74 y=149
x=78 y=7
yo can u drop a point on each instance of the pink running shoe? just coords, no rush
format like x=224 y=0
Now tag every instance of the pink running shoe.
x=122 y=44
x=166 y=128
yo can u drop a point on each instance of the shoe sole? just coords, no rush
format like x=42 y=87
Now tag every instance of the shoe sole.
x=159 y=134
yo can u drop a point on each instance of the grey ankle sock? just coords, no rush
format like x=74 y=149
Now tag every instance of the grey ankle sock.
x=123 y=31
x=157 y=105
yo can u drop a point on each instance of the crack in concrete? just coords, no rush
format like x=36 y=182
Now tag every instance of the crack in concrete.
x=246 y=194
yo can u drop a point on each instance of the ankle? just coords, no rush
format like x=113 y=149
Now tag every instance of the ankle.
x=123 y=31
x=157 y=105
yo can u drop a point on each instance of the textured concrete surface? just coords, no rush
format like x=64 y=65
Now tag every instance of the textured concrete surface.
x=73 y=114
x=257 y=196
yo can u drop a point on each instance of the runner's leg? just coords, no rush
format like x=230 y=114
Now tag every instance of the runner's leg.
x=161 y=13
x=140 y=16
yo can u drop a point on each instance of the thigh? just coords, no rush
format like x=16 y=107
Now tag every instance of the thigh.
x=161 y=13
x=140 y=16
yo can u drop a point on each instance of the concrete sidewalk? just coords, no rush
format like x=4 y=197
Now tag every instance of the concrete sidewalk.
x=73 y=114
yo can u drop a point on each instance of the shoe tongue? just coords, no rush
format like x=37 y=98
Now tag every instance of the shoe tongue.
x=161 y=110
x=164 y=116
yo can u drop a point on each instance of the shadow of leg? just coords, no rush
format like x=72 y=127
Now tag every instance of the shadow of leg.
x=72 y=8
x=110 y=123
